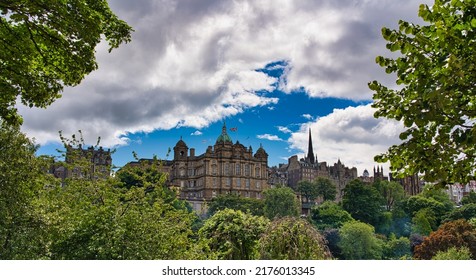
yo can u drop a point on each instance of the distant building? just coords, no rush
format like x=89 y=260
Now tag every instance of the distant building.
x=377 y=175
x=308 y=169
x=457 y=191
x=80 y=163
x=223 y=169
x=278 y=175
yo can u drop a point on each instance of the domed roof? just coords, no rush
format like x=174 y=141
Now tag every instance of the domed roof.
x=224 y=137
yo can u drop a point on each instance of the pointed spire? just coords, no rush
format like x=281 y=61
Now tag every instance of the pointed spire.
x=310 y=152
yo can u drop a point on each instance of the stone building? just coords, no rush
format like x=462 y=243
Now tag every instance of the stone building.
x=224 y=168
x=79 y=162
x=308 y=169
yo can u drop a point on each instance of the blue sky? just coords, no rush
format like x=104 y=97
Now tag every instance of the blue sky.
x=272 y=69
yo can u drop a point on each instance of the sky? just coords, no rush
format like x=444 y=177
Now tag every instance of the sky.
x=270 y=69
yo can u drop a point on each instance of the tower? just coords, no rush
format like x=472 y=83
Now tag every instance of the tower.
x=310 y=152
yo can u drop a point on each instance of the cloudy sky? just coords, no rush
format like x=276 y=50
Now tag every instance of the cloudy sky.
x=272 y=69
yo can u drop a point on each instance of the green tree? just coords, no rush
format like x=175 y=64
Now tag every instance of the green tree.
x=280 y=202
x=397 y=248
x=435 y=99
x=424 y=222
x=236 y=202
x=292 y=238
x=358 y=242
x=470 y=198
x=467 y=212
x=47 y=45
x=308 y=190
x=326 y=188
x=363 y=202
x=453 y=253
x=233 y=235
x=436 y=200
x=392 y=193
x=22 y=176
x=93 y=219
x=329 y=215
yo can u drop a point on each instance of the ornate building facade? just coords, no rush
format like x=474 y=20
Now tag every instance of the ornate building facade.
x=308 y=169
x=224 y=168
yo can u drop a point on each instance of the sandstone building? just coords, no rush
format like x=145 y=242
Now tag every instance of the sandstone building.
x=308 y=169
x=224 y=168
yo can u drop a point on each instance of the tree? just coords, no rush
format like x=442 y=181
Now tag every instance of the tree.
x=452 y=234
x=362 y=201
x=392 y=193
x=292 y=238
x=329 y=215
x=22 y=177
x=48 y=45
x=280 y=202
x=308 y=190
x=94 y=219
x=453 y=253
x=469 y=199
x=236 y=202
x=233 y=235
x=397 y=248
x=358 y=242
x=435 y=99
x=326 y=188
x=467 y=212
x=424 y=222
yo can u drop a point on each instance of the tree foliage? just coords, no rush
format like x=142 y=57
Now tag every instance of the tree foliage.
x=236 y=202
x=292 y=238
x=363 y=202
x=358 y=242
x=456 y=234
x=329 y=215
x=436 y=100
x=22 y=176
x=453 y=253
x=470 y=198
x=280 y=202
x=46 y=45
x=391 y=192
x=233 y=235
x=397 y=248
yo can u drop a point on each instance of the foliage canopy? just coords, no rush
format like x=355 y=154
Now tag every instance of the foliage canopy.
x=436 y=100
x=46 y=45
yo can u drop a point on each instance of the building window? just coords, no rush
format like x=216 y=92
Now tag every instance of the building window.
x=258 y=185
x=238 y=182
x=227 y=169
x=247 y=170
x=258 y=172
x=238 y=169
x=247 y=182
x=228 y=181
x=214 y=169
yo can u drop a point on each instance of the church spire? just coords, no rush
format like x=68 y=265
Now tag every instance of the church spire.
x=310 y=152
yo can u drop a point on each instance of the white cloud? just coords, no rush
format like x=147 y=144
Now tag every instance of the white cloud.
x=192 y=63
x=352 y=135
x=269 y=137
x=196 y=133
x=284 y=129
x=307 y=116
